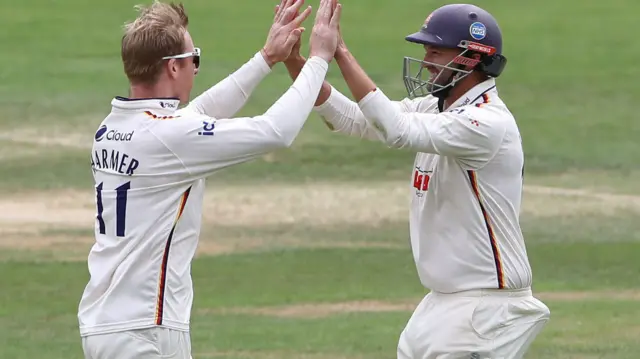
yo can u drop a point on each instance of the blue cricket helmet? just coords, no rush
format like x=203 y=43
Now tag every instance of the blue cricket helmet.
x=467 y=27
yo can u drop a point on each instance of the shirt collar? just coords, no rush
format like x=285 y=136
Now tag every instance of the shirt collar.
x=474 y=94
x=168 y=104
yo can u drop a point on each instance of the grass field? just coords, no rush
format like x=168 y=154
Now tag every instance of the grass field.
x=304 y=253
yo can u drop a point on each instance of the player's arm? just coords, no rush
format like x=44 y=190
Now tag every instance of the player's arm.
x=468 y=133
x=228 y=96
x=204 y=145
x=338 y=112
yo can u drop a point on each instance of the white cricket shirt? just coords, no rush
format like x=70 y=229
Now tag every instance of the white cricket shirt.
x=466 y=183
x=150 y=161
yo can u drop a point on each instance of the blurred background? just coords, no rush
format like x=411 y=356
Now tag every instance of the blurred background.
x=304 y=253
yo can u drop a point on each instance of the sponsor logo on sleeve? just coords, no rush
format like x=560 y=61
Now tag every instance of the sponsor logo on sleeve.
x=207 y=128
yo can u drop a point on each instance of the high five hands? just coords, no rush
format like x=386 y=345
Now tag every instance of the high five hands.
x=284 y=36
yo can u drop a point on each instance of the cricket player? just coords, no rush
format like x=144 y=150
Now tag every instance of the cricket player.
x=150 y=160
x=466 y=185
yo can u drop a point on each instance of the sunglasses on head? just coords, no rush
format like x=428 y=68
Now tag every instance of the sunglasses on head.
x=195 y=54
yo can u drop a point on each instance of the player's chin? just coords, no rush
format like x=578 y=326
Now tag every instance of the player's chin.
x=442 y=80
x=437 y=79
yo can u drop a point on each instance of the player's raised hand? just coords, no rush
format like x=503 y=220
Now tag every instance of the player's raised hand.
x=295 y=50
x=324 y=37
x=285 y=31
x=341 y=49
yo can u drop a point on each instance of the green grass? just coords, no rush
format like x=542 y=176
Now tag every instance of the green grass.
x=43 y=309
x=354 y=335
x=568 y=82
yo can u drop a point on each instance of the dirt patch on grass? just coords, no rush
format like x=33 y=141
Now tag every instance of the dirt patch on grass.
x=334 y=204
x=231 y=244
x=39 y=213
x=48 y=137
x=45 y=247
x=322 y=310
x=542 y=201
x=34 y=220
x=44 y=241
x=314 y=204
x=622 y=295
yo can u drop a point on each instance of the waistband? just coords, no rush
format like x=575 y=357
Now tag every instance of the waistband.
x=506 y=293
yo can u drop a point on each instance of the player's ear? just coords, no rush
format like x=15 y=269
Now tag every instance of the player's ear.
x=475 y=56
x=173 y=67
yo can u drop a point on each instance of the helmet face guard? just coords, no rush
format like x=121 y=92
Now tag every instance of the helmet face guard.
x=419 y=82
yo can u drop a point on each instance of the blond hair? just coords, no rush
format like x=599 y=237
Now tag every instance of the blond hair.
x=158 y=31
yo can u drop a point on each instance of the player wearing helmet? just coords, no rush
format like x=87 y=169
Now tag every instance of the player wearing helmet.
x=466 y=185
x=473 y=48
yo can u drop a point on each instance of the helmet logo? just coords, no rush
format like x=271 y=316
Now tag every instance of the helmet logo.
x=426 y=21
x=478 y=31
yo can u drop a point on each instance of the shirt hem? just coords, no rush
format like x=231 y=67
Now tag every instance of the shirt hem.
x=133 y=325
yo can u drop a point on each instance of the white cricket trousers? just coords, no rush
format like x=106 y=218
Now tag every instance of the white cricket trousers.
x=477 y=324
x=152 y=343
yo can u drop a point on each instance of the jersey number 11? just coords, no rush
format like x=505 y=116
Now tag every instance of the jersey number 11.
x=121 y=208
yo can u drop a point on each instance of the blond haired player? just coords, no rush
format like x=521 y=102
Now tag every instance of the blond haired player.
x=150 y=161
x=466 y=186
